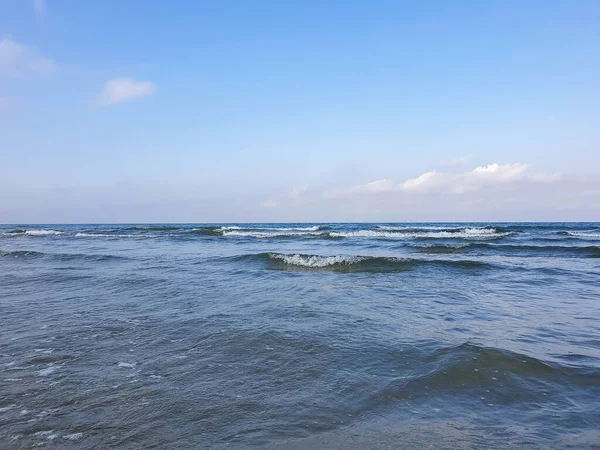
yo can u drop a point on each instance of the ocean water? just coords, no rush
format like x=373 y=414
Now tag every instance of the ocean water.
x=300 y=336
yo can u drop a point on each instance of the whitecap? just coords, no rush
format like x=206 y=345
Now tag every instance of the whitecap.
x=127 y=365
x=467 y=233
x=43 y=232
x=316 y=260
x=272 y=234
x=73 y=436
x=47 y=371
x=103 y=235
x=584 y=234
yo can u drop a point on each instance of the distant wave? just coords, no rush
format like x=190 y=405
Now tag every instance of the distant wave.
x=250 y=228
x=580 y=234
x=462 y=233
x=20 y=254
x=592 y=251
x=19 y=232
x=156 y=228
x=353 y=263
x=106 y=235
x=60 y=256
x=275 y=234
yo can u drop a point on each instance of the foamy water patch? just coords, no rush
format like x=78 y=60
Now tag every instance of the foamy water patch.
x=105 y=235
x=583 y=234
x=48 y=371
x=16 y=233
x=43 y=232
x=272 y=234
x=316 y=260
x=73 y=436
x=466 y=233
x=126 y=365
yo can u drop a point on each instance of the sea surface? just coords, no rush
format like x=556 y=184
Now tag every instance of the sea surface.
x=292 y=336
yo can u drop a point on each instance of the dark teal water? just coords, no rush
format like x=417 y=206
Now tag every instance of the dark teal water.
x=300 y=336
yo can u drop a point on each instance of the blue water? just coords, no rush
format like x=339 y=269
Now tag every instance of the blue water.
x=300 y=336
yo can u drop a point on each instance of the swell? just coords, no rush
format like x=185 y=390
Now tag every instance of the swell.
x=594 y=235
x=29 y=254
x=354 y=263
x=21 y=232
x=591 y=251
x=501 y=376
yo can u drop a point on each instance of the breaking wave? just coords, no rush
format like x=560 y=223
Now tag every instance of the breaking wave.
x=106 y=235
x=354 y=263
x=592 y=251
x=19 y=232
x=580 y=234
x=462 y=233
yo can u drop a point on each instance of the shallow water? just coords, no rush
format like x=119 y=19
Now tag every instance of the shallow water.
x=300 y=336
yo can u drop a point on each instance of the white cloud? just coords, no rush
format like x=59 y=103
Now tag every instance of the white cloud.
x=268 y=204
x=423 y=182
x=17 y=60
x=298 y=191
x=453 y=183
x=120 y=90
x=504 y=172
x=39 y=7
x=384 y=185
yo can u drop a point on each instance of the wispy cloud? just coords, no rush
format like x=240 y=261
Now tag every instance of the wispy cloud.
x=120 y=90
x=17 y=60
x=453 y=183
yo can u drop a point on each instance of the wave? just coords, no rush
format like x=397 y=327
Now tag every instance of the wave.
x=463 y=233
x=258 y=228
x=20 y=254
x=472 y=367
x=156 y=228
x=580 y=234
x=275 y=234
x=64 y=257
x=107 y=235
x=353 y=263
x=19 y=232
x=591 y=251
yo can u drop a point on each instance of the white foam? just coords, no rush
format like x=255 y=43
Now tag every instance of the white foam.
x=7 y=408
x=47 y=371
x=415 y=227
x=259 y=229
x=315 y=260
x=101 y=235
x=73 y=436
x=49 y=434
x=584 y=234
x=42 y=232
x=467 y=233
x=126 y=365
x=274 y=234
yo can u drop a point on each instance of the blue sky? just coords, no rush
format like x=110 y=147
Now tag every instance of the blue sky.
x=199 y=111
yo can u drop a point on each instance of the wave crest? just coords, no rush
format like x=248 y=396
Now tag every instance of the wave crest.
x=355 y=263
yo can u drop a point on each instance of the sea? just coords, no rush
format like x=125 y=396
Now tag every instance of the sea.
x=300 y=335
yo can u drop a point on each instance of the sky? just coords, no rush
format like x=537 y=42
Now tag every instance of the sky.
x=313 y=111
